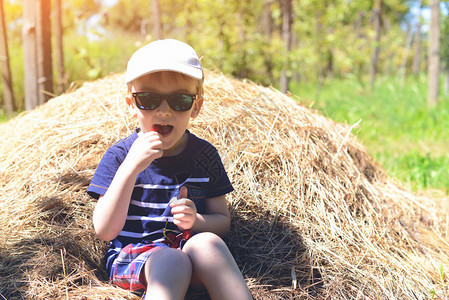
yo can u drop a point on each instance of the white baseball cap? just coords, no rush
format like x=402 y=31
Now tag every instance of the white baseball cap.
x=164 y=55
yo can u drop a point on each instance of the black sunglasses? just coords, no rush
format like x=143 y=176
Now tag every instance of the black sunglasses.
x=150 y=101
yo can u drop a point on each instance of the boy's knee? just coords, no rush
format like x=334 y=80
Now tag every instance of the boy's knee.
x=171 y=258
x=206 y=241
x=167 y=268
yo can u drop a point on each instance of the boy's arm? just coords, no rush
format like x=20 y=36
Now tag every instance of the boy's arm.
x=111 y=209
x=216 y=219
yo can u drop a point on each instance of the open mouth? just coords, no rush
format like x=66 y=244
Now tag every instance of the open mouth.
x=162 y=129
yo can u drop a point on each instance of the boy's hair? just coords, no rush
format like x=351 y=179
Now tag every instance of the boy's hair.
x=165 y=55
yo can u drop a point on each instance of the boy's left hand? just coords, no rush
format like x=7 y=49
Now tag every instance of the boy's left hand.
x=183 y=210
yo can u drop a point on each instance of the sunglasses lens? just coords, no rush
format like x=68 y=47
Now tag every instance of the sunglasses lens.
x=150 y=101
x=147 y=101
x=181 y=102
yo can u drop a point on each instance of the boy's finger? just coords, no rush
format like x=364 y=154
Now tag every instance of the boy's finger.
x=177 y=202
x=183 y=192
x=182 y=198
x=176 y=209
x=181 y=207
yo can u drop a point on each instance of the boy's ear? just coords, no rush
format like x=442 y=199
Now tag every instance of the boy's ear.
x=196 y=107
x=131 y=105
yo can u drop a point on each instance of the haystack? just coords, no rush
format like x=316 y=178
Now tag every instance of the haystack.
x=313 y=215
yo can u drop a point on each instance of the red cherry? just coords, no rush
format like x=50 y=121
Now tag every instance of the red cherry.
x=187 y=234
x=170 y=238
x=177 y=241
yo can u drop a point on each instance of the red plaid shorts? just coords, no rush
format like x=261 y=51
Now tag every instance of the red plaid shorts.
x=128 y=265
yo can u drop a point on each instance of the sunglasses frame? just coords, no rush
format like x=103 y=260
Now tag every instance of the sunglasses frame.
x=171 y=98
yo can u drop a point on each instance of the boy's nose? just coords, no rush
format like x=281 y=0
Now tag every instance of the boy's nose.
x=164 y=108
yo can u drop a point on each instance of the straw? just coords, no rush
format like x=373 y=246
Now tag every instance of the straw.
x=313 y=215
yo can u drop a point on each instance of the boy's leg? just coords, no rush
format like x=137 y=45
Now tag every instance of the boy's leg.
x=215 y=267
x=167 y=274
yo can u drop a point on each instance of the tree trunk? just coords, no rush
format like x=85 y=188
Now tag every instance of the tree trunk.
x=417 y=44
x=433 y=69
x=36 y=37
x=45 y=65
x=329 y=69
x=377 y=26
x=157 y=24
x=267 y=28
x=267 y=19
x=408 y=44
x=359 y=64
x=295 y=72
x=189 y=22
x=8 y=95
x=30 y=54
x=243 y=66
x=59 y=50
x=286 y=6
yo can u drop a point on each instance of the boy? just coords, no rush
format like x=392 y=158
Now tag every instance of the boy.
x=162 y=183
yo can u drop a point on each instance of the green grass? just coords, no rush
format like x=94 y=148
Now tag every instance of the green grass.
x=3 y=117
x=409 y=139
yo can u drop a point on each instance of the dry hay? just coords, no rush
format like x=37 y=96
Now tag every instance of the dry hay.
x=313 y=216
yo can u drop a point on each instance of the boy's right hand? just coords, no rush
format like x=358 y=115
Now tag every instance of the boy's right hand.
x=146 y=148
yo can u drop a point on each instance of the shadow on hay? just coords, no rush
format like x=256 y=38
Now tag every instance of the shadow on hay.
x=58 y=244
x=10 y=286
x=269 y=249
x=42 y=261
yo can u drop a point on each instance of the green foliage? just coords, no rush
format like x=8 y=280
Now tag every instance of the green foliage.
x=333 y=40
x=89 y=60
x=407 y=138
x=13 y=13
x=17 y=72
x=77 y=12
x=3 y=117
x=127 y=17
x=84 y=60
x=230 y=35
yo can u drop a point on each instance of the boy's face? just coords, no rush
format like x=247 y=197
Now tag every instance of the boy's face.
x=173 y=123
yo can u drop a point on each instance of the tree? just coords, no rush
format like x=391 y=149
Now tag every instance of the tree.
x=29 y=29
x=433 y=69
x=128 y=18
x=417 y=43
x=287 y=19
x=157 y=23
x=8 y=95
x=37 y=52
x=58 y=44
x=267 y=29
x=444 y=51
x=377 y=27
x=44 y=53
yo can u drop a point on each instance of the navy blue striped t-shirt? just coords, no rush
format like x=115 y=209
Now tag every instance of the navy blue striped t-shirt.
x=198 y=167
